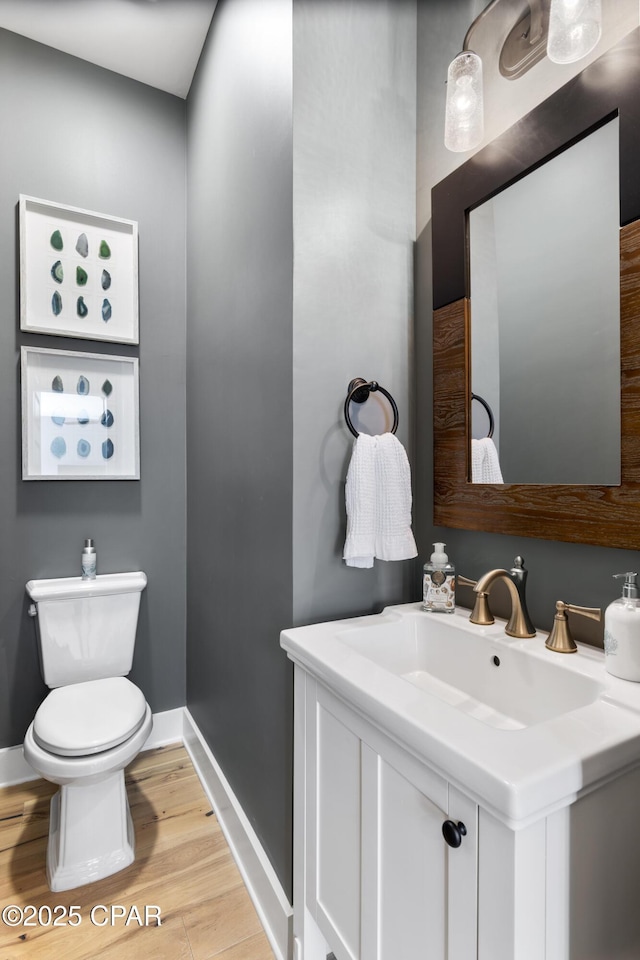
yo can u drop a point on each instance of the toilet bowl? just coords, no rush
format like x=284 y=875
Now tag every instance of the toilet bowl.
x=90 y=726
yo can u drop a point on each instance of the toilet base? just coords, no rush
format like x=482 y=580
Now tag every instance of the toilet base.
x=90 y=832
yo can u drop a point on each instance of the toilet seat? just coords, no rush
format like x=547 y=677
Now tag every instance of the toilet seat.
x=86 y=718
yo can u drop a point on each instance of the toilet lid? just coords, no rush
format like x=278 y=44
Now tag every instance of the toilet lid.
x=85 y=718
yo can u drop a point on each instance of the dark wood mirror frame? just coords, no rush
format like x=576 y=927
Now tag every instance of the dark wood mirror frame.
x=607 y=515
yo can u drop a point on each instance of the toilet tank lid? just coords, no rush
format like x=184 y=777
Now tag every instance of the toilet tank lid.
x=72 y=588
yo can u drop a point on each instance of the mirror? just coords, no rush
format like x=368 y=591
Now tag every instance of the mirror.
x=599 y=513
x=545 y=321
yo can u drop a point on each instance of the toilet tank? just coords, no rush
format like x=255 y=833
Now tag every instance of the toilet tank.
x=86 y=628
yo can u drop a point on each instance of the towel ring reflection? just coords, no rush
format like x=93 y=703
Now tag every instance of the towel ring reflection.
x=358 y=391
x=483 y=402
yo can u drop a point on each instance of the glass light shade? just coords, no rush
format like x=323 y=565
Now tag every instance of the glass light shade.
x=464 y=116
x=575 y=27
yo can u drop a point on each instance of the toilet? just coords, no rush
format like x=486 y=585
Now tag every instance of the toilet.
x=92 y=723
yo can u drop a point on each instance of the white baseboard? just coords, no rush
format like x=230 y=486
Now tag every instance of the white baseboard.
x=14 y=768
x=167 y=728
x=261 y=881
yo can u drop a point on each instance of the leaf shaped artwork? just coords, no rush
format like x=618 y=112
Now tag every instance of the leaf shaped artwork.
x=58 y=447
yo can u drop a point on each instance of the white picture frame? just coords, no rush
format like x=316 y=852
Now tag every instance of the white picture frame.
x=80 y=416
x=78 y=272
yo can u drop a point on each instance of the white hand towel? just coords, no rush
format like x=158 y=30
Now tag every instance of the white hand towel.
x=485 y=465
x=378 y=501
x=360 y=497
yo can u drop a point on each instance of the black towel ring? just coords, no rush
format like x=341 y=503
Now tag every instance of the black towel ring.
x=358 y=391
x=483 y=402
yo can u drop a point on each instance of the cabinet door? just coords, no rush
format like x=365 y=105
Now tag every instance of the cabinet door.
x=427 y=891
x=381 y=883
x=334 y=817
x=412 y=862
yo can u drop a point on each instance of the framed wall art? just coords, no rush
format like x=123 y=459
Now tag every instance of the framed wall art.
x=78 y=272
x=79 y=416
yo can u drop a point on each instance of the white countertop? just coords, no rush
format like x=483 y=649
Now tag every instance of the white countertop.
x=518 y=774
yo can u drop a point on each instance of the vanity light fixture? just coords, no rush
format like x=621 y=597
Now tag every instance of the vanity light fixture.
x=575 y=26
x=464 y=117
x=563 y=30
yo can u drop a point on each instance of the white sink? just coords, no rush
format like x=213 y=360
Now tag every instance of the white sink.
x=521 y=727
x=500 y=685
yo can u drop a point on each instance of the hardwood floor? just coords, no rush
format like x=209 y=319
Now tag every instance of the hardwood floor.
x=183 y=872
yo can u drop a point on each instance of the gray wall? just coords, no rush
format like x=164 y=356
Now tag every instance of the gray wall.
x=79 y=135
x=272 y=349
x=239 y=424
x=354 y=85
x=573 y=572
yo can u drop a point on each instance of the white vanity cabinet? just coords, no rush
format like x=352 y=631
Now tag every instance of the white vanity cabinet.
x=548 y=866
x=379 y=879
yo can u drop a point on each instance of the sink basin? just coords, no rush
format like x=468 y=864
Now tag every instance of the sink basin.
x=485 y=677
x=525 y=730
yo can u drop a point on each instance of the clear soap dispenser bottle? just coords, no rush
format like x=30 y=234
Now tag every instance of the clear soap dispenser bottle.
x=439 y=582
x=622 y=631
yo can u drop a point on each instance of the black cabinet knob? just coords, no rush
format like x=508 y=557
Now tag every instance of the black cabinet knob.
x=454 y=832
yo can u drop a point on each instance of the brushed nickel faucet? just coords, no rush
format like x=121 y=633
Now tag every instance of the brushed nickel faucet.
x=519 y=624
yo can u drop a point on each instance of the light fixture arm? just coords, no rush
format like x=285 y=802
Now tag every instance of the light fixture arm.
x=537 y=16
x=467 y=45
x=539 y=21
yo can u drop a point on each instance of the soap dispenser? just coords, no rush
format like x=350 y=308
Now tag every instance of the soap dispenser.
x=622 y=631
x=439 y=583
x=88 y=561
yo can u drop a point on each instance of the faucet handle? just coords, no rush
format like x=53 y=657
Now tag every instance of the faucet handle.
x=464 y=581
x=481 y=613
x=560 y=639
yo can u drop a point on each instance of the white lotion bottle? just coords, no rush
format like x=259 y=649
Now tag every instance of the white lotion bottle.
x=439 y=583
x=622 y=631
x=89 y=561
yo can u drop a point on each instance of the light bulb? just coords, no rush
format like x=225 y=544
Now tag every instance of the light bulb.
x=463 y=99
x=464 y=119
x=575 y=27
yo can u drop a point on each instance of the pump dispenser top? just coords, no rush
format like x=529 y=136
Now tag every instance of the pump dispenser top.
x=622 y=631
x=630 y=587
x=439 y=556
